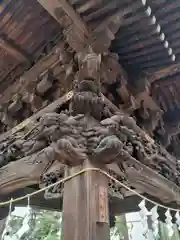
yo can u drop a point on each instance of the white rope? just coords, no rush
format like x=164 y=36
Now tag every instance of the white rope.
x=84 y=171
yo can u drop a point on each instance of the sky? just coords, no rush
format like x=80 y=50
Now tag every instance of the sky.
x=19 y=211
x=134 y=222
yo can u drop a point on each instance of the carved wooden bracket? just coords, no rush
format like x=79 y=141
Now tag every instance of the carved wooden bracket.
x=71 y=140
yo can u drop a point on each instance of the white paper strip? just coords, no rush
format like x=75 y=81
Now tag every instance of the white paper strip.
x=169 y=223
x=143 y=214
x=155 y=222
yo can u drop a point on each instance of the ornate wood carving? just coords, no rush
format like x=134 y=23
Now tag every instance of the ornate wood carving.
x=35 y=90
x=70 y=140
x=52 y=175
x=45 y=84
x=73 y=139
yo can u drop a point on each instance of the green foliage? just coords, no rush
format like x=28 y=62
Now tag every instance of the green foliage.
x=46 y=226
x=16 y=223
x=164 y=233
x=120 y=231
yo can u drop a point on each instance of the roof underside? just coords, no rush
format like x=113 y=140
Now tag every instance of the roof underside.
x=140 y=43
x=27 y=27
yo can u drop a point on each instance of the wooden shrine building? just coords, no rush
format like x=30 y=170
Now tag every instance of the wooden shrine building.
x=90 y=84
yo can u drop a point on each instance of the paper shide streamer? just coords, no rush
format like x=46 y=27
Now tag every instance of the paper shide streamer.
x=25 y=224
x=152 y=232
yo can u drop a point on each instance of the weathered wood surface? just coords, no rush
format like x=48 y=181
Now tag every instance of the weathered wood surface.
x=32 y=74
x=72 y=139
x=26 y=171
x=163 y=73
x=37 y=202
x=77 y=34
x=11 y=49
x=110 y=70
x=54 y=7
x=53 y=107
x=99 y=39
x=69 y=140
x=50 y=108
x=63 y=139
x=46 y=81
x=146 y=179
x=85 y=207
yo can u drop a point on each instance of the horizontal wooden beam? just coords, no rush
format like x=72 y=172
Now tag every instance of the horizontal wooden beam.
x=37 y=201
x=53 y=7
x=146 y=180
x=143 y=179
x=68 y=9
x=130 y=204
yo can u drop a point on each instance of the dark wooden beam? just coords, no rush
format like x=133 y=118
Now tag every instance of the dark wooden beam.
x=53 y=6
x=81 y=25
x=76 y=19
x=50 y=108
x=147 y=181
x=84 y=36
x=168 y=71
x=10 y=47
x=32 y=74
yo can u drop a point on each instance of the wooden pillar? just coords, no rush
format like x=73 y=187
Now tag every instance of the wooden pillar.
x=85 y=207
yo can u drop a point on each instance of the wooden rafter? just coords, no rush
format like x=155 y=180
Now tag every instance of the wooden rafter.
x=84 y=34
x=53 y=6
x=76 y=19
x=168 y=71
x=40 y=67
x=9 y=46
x=82 y=26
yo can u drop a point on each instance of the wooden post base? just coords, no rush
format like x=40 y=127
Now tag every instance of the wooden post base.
x=85 y=207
